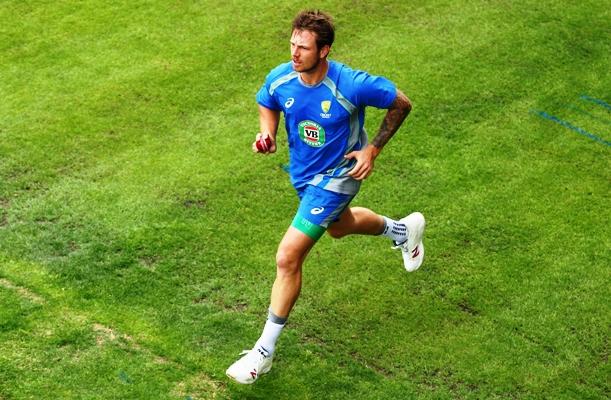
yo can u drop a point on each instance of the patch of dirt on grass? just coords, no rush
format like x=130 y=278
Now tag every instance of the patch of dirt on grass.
x=198 y=387
x=106 y=335
x=23 y=292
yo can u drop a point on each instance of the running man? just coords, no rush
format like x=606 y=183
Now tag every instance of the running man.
x=323 y=102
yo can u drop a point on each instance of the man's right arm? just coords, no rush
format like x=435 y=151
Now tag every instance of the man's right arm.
x=268 y=126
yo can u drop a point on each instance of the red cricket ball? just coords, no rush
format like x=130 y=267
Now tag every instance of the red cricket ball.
x=264 y=145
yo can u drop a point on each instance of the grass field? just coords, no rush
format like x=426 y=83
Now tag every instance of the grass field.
x=138 y=231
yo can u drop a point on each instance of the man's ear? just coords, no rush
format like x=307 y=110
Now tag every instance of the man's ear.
x=325 y=50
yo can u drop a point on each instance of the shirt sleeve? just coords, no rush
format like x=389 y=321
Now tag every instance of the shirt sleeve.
x=375 y=91
x=267 y=100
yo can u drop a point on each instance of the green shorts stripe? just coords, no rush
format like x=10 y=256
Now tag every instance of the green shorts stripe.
x=312 y=230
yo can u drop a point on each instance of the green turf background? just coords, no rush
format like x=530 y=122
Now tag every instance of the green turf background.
x=138 y=230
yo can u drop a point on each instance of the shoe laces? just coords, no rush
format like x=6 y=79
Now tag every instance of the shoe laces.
x=402 y=245
x=257 y=354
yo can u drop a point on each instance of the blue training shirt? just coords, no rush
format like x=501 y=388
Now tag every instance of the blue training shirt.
x=324 y=122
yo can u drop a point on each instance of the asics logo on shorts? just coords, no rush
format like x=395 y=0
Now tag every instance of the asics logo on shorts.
x=317 y=210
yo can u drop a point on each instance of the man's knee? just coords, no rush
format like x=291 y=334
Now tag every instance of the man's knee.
x=287 y=262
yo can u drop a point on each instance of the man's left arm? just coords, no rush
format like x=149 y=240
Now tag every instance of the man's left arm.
x=396 y=114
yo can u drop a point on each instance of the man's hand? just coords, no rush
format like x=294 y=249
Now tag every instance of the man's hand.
x=364 y=162
x=263 y=136
x=268 y=126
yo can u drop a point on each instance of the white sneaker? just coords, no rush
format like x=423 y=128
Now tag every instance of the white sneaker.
x=248 y=368
x=412 y=248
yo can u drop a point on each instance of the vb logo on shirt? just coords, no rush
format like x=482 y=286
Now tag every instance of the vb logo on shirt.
x=311 y=133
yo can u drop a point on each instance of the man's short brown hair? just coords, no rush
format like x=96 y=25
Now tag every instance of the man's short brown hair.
x=318 y=22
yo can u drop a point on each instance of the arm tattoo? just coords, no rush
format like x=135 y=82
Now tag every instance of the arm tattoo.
x=397 y=112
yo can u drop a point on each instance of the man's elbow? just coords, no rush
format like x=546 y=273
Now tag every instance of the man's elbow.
x=402 y=102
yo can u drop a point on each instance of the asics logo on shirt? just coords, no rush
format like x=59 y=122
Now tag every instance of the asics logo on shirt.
x=289 y=102
x=317 y=210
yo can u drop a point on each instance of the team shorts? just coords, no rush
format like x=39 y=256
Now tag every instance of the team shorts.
x=317 y=209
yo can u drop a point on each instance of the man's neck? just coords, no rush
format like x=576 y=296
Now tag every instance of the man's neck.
x=316 y=75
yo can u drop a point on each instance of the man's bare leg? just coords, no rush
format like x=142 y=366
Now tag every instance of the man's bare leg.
x=357 y=220
x=292 y=251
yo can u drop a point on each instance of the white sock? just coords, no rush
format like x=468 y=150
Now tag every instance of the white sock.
x=394 y=230
x=271 y=331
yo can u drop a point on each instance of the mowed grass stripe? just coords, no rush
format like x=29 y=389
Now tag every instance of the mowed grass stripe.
x=88 y=357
